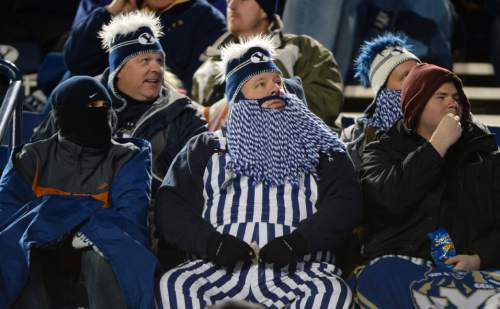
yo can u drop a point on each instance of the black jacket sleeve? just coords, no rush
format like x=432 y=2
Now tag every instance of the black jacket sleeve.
x=188 y=124
x=83 y=53
x=180 y=199
x=396 y=181
x=487 y=246
x=339 y=204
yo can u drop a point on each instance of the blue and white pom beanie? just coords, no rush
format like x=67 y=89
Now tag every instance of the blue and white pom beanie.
x=127 y=36
x=378 y=57
x=241 y=61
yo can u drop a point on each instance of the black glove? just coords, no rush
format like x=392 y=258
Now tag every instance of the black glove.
x=226 y=250
x=284 y=250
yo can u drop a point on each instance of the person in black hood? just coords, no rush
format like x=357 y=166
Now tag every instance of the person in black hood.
x=75 y=205
x=82 y=109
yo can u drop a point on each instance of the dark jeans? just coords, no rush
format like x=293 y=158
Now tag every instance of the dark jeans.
x=95 y=274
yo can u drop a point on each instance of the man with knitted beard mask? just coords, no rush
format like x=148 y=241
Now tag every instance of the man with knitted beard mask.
x=275 y=138
x=262 y=201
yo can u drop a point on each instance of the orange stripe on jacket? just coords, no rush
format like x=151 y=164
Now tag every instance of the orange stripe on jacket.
x=41 y=191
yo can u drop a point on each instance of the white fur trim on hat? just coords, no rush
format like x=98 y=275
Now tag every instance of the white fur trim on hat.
x=127 y=23
x=236 y=50
x=385 y=62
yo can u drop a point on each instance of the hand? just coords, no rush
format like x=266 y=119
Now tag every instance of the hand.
x=446 y=134
x=284 y=250
x=465 y=262
x=226 y=250
x=80 y=241
x=121 y=6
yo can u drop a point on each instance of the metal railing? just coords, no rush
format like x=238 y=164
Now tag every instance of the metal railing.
x=11 y=112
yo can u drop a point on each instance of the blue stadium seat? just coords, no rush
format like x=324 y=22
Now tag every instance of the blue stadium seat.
x=346 y=121
x=30 y=121
x=4 y=156
x=495 y=130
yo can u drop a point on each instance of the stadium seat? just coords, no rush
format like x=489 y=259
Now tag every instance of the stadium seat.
x=495 y=130
x=4 y=156
x=346 y=121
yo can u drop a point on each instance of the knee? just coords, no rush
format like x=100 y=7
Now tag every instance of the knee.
x=95 y=263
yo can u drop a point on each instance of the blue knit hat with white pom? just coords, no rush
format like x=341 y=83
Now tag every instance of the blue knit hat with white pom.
x=127 y=36
x=241 y=61
x=379 y=57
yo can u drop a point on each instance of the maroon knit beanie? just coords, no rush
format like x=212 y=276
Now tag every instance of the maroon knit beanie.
x=419 y=86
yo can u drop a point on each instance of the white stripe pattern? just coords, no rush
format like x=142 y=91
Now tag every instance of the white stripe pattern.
x=260 y=214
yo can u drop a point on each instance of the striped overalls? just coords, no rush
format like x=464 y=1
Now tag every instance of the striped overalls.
x=255 y=213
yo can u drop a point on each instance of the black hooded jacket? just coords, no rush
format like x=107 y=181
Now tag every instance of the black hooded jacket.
x=409 y=191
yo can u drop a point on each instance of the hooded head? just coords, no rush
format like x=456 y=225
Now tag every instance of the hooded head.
x=82 y=111
x=270 y=143
x=421 y=84
x=128 y=36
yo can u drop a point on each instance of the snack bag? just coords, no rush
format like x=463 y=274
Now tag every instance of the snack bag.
x=442 y=247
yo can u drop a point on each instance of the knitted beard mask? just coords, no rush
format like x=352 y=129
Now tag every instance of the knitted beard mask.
x=275 y=146
x=387 y=110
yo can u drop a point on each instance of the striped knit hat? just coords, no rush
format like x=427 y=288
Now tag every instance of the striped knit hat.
x=241 y=61
x=379 y=57
x=127 y=36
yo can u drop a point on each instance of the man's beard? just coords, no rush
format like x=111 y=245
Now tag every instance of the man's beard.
x=275 y=146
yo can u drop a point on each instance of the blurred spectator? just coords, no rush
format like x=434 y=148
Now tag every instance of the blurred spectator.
x=85 y=7
x=296 y=55
x=313 y=17
x=426 y=23
x=190 y=26
x=473 y=15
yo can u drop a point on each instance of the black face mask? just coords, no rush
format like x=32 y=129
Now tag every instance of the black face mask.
x=88 y=127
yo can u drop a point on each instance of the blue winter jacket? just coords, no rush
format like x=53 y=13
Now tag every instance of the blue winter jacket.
x=28 y=222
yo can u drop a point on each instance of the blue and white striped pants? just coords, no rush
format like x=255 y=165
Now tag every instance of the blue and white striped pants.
x=199 y=283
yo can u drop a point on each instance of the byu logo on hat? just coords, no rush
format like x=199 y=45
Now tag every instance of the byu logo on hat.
x=397 y=51
x=258 y=57
x=146 y=39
